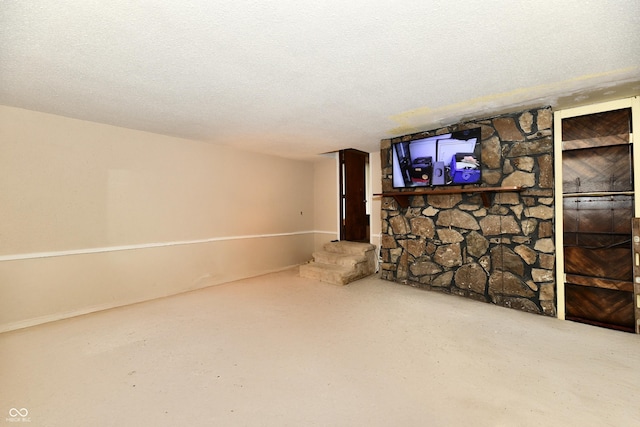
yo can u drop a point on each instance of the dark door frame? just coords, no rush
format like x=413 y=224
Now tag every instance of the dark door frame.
x=354 y=221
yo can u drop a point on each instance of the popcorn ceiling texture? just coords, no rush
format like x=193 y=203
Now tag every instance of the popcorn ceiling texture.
x=504 y=253
x=301 y=78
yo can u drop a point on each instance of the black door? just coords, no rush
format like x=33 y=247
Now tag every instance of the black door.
x=353 y=206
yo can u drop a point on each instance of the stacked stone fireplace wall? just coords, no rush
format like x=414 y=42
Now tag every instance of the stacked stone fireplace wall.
x=502 y=254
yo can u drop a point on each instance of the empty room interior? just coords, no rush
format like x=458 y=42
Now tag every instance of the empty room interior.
x=319 y=213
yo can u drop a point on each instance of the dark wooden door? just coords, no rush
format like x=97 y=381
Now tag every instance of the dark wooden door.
x=598 y=204
x=354 y=224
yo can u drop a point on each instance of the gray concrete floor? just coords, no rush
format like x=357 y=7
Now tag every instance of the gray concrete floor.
x=280 y=350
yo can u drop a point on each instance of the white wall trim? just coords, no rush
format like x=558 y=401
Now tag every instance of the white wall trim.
x=84 y=251
x=335 y=233
x=559 y=213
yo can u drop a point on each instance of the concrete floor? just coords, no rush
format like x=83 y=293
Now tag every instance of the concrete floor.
x=280 y=350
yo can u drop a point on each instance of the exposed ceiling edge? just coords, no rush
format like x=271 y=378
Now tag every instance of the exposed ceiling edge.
x=566 y=94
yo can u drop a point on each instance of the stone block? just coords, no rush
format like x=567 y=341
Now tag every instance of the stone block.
x=430 y=211
x=491 y=177
x=504 y=259
x=443 y=280
x=547 y=292
x=540 y=275
x=457 y=218
x=526 y=121
x=533 y=147
x=540 y=212
x=399 y=225
x=547 y=261
x=471 y=277
x=507 y=129
x=544 y=119
x=416 y=248
x=491 y=153
x=477 y=245
x=423 y=227
x=520 y=179
x=545 y=229
x=506 y=283
x=494 y=225
x=525 y=163
x=447 y=235
x=545 y=166
x=421 y=268
x=444 y=201
x=529 y=226
x=545 y=245
x=448 y=255
x=527 y=254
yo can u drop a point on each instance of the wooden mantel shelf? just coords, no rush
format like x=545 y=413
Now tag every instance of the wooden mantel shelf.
x=402 y=197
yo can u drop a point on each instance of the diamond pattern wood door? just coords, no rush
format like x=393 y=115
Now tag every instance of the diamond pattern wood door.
x=598 y=200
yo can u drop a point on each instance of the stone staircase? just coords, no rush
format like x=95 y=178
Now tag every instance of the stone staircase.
x=341 y=262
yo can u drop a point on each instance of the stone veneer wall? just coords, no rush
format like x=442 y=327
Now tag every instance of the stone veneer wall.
x=503 y=254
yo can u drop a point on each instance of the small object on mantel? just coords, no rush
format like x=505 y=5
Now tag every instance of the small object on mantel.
x=402 y=197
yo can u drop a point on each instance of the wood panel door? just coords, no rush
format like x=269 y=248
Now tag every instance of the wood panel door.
x=354 y=219
x=598 y=207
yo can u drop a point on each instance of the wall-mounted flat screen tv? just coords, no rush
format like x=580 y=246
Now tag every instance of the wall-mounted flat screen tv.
x=449 y=159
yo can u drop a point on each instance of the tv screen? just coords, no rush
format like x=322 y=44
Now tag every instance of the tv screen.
x=449 y=159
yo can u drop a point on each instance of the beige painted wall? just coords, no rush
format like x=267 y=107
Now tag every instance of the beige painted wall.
x=326 y=194
x=376 y=201
x=94 y=216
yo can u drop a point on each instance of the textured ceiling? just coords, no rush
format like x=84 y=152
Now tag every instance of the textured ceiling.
x=299 y=78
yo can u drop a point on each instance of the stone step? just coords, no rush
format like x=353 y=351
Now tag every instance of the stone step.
x=341 y=263
x=345 y=247
x=330 y=273
x=347 y=260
